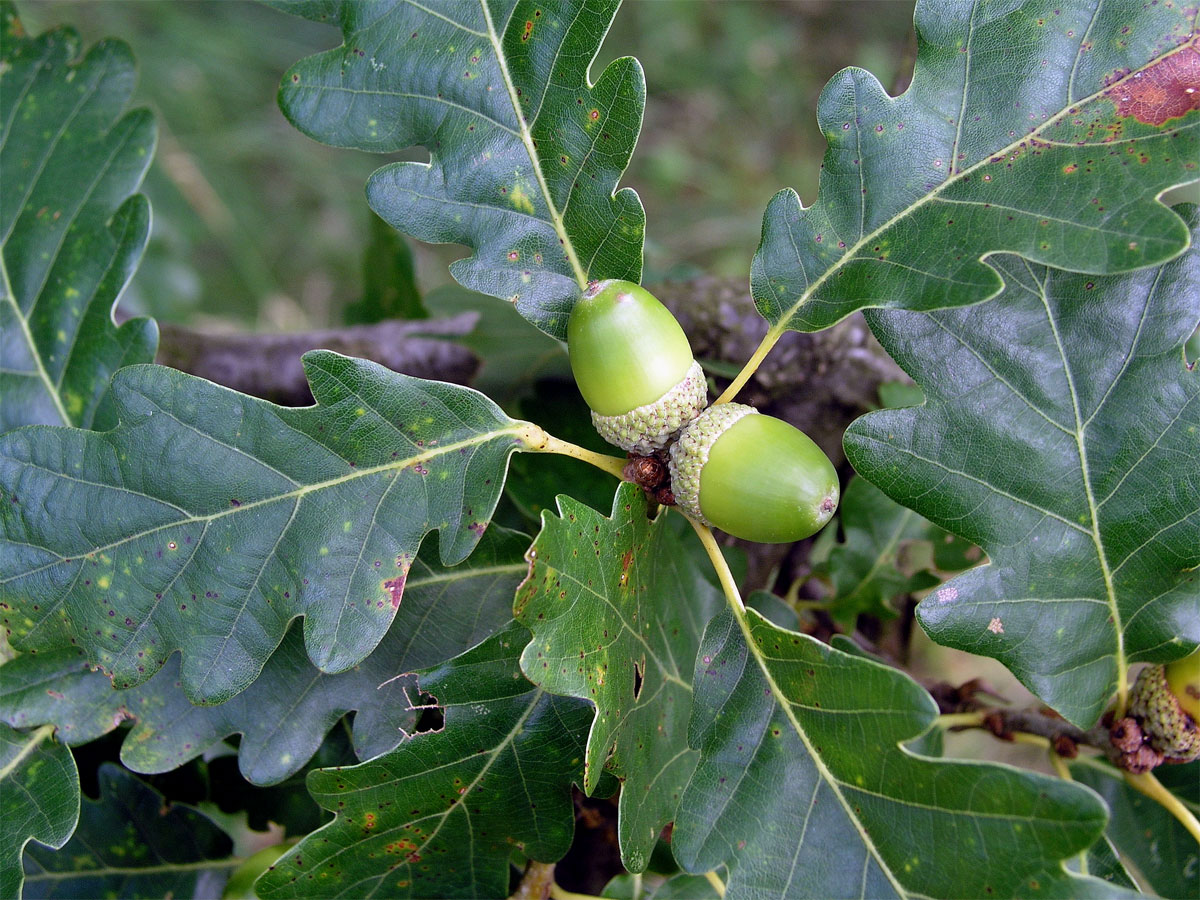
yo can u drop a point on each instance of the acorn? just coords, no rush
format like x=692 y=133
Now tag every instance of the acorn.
x=753 y=476
x=634 y=366
x=1166 y=702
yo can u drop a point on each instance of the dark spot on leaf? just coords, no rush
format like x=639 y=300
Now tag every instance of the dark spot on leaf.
x=1162 y=91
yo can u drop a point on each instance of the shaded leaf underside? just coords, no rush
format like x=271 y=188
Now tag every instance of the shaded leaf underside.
x=132 y=843
x=284 y=715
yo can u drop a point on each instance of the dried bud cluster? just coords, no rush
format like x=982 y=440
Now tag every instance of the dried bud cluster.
x=1167 y=726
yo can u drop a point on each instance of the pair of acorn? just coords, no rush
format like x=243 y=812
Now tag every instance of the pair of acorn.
x=751 y=475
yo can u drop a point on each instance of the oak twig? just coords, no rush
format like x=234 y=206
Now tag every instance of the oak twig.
x=268 y=365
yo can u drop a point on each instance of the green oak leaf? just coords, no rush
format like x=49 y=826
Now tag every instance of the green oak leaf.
x=525 y=152
x=775 y=609
x=71 y=228
x=680 y=886
x=1060 y=435
x=208 y=520
x=132 y=844
x=1159 y=851
x=1105 y=863
x=441 y=815
x=869 y=568
x=1037 y=127
x=617 y=609
x=389 y=280
x=284 y=715
x=803 y=788
x=39 y=798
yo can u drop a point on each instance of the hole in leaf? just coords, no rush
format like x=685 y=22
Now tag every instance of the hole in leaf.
x=430 y=716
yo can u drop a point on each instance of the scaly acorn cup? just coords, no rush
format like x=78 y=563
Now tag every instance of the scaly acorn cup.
x=634 y=366
x=1183 y=678
x=1164 y=701
x=753 y=476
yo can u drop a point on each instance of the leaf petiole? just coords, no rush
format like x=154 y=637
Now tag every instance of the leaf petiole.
x=1147 y=784
x=539 y=441
x=959 y=720
x=756 y=359
x=715 y=880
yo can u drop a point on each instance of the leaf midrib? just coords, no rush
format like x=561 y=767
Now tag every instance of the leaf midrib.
x=835 y=785
x=1090 y=497
x=556 y=219
x=39 y=367
x=443 y=815
x=518 y=429
x=778 y=329
x=198 y=866
x=35 y=740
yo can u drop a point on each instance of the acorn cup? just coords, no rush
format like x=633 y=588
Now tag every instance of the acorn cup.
x=1165 y=701
x=753 y=476
x=634 y=366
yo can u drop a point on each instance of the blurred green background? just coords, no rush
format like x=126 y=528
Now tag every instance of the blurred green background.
x=257 y=226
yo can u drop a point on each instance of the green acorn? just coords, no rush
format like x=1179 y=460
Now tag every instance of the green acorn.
x=634 y=366
x=1183 y=678
x=1164 y=700
x=753 y=476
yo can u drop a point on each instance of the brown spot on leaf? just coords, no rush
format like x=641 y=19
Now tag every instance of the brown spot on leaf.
x=1165 y=90
x=394 y=588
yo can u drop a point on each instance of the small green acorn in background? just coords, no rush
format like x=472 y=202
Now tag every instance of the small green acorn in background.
x=1165 y=701
x=634 y=366
x=753 y=476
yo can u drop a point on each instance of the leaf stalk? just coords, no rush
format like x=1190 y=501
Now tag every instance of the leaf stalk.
x=769 y=340
x=715 y=880
x=538 y=440
x=1147 y=784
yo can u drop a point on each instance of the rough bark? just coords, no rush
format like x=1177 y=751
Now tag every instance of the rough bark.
x=268 y=365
